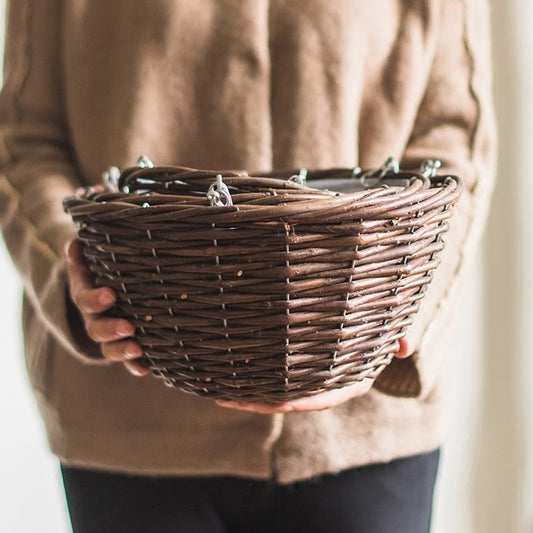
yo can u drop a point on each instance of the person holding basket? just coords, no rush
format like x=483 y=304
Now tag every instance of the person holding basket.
x=226 y=84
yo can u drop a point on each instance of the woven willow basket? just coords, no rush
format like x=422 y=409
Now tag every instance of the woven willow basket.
x=265 y=288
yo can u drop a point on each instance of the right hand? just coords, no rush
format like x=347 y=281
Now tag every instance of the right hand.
x=113 y=334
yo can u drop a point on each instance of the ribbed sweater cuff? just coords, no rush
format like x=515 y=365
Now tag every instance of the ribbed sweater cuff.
x=400 y=378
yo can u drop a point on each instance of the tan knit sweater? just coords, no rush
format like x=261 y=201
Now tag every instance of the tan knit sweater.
x=251 y=84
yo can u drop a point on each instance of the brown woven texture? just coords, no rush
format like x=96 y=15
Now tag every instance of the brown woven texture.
x=289 y=292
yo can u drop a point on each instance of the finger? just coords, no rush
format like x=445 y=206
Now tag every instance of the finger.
x=137 y=369
x=319 y=402
x=331 y=398
x=83 y=294
x=103 y=329
x=77 y=270
x=260 y=408
x=74 y=251
x=121 y=350
x=92 y=301
x=405 y=350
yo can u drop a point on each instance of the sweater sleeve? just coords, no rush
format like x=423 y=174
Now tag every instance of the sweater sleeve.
x=37 y=168
x=455 y=123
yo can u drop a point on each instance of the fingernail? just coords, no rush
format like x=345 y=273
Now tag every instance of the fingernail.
x=105 y=298
x=137 y=372
x=125 y=330
x=133 y=353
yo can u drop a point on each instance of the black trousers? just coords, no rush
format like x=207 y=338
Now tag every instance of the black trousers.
x=394 y=497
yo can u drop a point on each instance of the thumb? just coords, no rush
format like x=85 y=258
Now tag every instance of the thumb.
x=405 y=350
x=73 y=252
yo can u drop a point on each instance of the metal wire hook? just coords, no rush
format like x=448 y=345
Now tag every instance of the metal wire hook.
x=300 y=178
x=218 y=194
x=391 y=166
x=144 y=162
x=110 y=179
x=429 y=168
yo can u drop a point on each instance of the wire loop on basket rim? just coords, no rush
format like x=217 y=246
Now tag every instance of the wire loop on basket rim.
x=300 y=178
x=144 y=162
x=218 y=193
x=110 y=178
x=430 y=167
x=258 y=287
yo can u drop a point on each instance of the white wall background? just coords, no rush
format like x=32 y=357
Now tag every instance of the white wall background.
x=486 y=479
x=31 y=500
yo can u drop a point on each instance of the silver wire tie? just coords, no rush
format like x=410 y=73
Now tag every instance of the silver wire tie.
x=144 y=162
x=218 y=194
x=110 y=179
x=429 y=168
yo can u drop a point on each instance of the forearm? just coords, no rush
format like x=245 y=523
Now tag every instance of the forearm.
x=37 y=166
x=455 y=124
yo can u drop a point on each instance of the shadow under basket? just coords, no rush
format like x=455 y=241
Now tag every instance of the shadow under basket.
x=270 y=287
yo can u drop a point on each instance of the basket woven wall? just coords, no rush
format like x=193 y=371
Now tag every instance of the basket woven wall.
x=264 y=288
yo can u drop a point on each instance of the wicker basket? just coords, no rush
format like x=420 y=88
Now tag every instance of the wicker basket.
x=265 y=288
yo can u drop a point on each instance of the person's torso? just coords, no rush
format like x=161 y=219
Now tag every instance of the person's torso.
x=253 y=84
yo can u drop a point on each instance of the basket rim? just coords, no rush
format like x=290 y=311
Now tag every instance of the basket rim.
x=293 y=198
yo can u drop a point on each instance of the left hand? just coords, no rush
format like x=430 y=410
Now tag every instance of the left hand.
x=319 y=402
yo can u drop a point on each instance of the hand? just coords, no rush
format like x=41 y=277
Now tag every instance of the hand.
x=113 y=334
x=320 y=401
